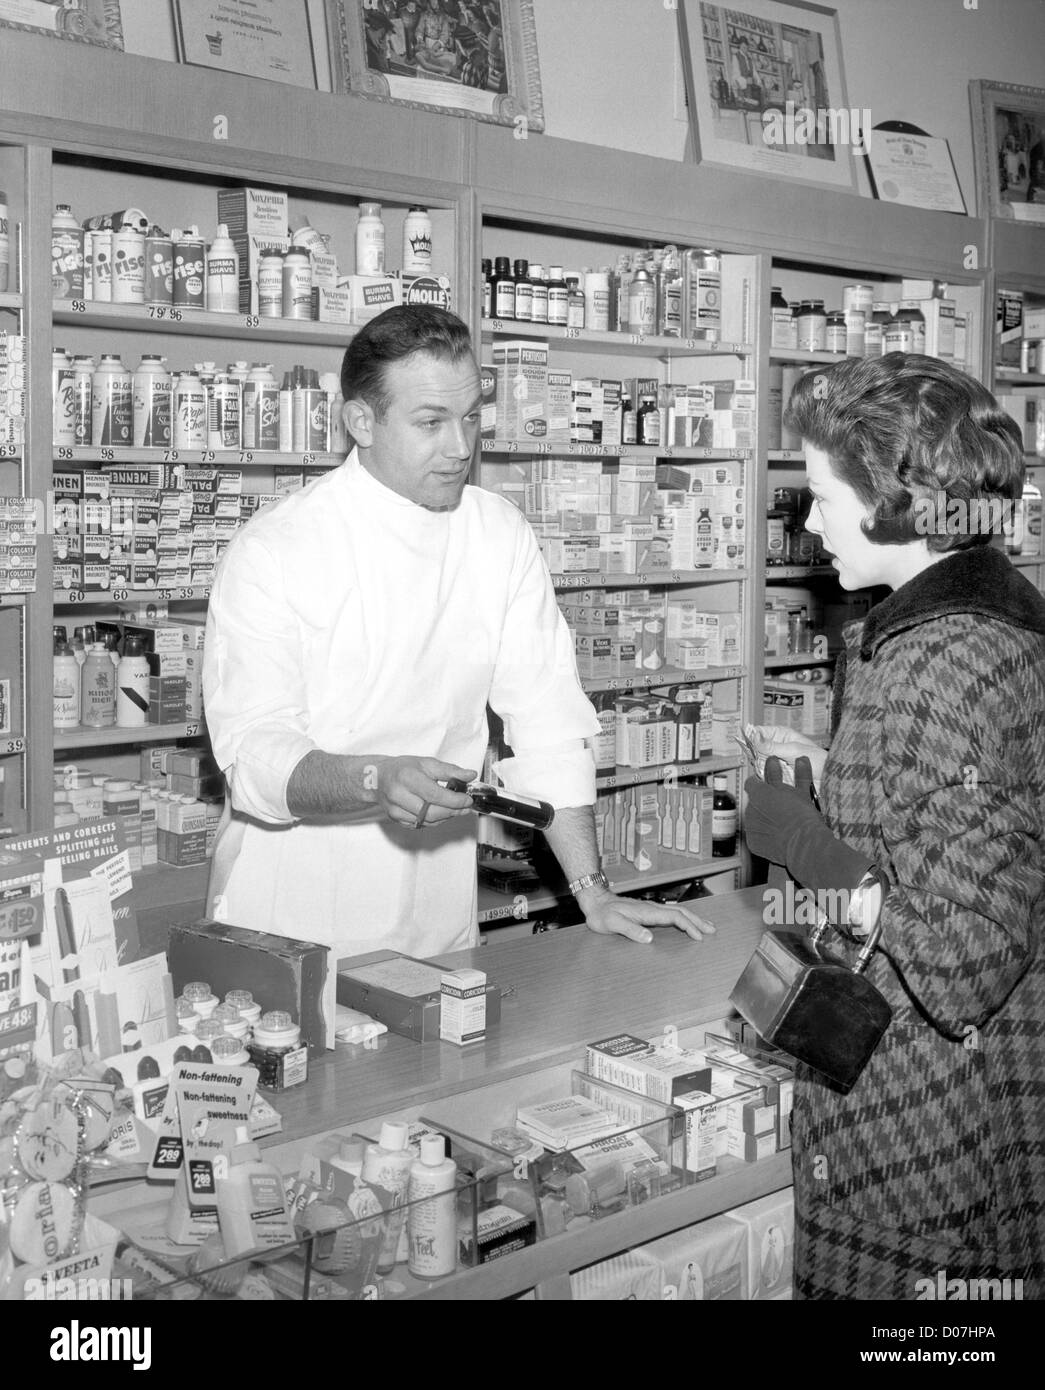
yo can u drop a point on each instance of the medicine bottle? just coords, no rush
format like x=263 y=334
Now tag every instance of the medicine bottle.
x=486 y=269
x=723 y=820
x=783 y=329
x=835 y=332
x=523 y=303
x=812 y=326
x=502 y=289
x=558 y=297
x=539 y=292
x=575 y=313
x=277 y=1053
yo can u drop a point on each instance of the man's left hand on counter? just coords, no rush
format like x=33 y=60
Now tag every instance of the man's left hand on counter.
x=608 y=915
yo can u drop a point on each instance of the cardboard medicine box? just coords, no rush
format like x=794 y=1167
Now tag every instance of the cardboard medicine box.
x=280 y=972
x=401 y=992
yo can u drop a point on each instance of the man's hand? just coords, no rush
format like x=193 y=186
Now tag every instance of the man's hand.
x=408 y=790
x=609 y=915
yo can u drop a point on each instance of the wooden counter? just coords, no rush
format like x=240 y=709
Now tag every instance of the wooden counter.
x=563 y=990
x=566 y=988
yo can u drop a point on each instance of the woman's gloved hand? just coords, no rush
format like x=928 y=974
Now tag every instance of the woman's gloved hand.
x=782 y=824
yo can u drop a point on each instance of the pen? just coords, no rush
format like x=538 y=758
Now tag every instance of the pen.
x=63 y=917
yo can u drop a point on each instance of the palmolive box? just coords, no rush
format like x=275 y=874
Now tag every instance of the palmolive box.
x=280 y=972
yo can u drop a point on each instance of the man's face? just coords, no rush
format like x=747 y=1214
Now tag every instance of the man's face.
x=423 y=447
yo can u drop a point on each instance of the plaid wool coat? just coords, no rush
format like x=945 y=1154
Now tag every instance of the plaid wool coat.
x=935 y=1161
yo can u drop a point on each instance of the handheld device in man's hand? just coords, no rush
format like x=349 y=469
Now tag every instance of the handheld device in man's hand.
x=495 y=801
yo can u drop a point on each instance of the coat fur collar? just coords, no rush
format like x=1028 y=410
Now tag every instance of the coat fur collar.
x=980 y=580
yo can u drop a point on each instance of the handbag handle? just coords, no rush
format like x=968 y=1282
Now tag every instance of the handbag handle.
x=866 y=950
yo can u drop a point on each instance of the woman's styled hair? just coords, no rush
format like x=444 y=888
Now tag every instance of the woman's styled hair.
x=392 y=337
x=925 y=446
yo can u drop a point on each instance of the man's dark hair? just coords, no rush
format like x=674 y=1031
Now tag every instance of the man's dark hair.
x=904 y=429
x=392 y=337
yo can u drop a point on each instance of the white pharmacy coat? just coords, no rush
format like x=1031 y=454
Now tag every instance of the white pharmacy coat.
x=349 y=619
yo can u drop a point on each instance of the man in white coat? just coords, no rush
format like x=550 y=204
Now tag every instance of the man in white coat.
x=357 y=631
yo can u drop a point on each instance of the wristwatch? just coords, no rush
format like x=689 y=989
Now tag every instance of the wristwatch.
x=598 y=880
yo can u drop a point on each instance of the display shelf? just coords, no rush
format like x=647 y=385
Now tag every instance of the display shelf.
x=777 y=572
x=629 y=581
x=667 y=675
x=1027 y=561
x=558 y=1255
x=782 y=663
x=68 y=740
x=85 y=598
x=200 y=323
x=1011 y=377
x=802 y=355
x=640 y=453
x=640 y=776
x=193 y=458
x=494 y=906
x=590 y=339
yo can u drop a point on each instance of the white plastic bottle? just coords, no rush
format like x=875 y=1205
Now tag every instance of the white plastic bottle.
x=432 y=1214
x=417 y=242
x=387 y=1164
x=132 y=686
x=370 y=240
x=66 y=687
x=252 y=1208
x=222 y=289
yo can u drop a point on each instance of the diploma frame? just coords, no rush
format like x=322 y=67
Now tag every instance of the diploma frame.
x=1008 y=122
x=766 y=90
x=888 y=181
x=203 y=48
x=489 y=72
x=84 y=21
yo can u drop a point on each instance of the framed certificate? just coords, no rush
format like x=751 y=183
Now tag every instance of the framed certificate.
x=908 y=166
x=259 y=38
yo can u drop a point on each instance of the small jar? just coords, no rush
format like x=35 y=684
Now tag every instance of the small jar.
x=199 y=995
x=209 y=1030
x=188 y=1019
x=229 y=1052
x=277 y=1053
x=243 y=1002
x=835 y=333
x=234 y=1024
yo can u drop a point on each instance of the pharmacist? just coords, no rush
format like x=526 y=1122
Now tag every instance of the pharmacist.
x=357 y=631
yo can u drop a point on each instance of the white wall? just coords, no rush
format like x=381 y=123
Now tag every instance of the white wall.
x=610 y=68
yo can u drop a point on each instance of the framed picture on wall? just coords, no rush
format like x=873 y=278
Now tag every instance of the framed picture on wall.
x=1008 y=126
x=466 y=57
x=260 y=38
x=83 y=21
x=766 y=90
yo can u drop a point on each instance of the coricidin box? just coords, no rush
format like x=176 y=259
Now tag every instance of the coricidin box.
x=462 y=1007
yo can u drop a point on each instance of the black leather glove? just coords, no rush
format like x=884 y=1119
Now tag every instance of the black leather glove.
x=783 y=825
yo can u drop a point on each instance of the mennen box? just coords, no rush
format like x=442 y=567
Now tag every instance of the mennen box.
x=401 y=992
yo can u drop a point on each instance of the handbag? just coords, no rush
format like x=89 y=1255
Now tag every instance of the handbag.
x=812 y=1004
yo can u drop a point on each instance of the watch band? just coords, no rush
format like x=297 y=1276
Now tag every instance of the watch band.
x=598 y=880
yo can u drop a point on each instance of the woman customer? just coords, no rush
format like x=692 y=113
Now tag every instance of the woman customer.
x=933 y=795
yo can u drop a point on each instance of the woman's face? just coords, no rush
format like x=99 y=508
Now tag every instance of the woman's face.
x=836 y=515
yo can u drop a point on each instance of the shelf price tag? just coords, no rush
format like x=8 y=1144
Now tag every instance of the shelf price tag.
x=207 y=456
x=170 y=456
x=13 y=745
x=191 y=730
x=571 y=332
x=78 y=306
x=307 y=460
x=637 y=339
x=120 y=595
x=246 y=456
x=73 y=596
x=63 y=453
x=107 y=455
x=252 y=321
x=496 y=326
x=10 y=451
